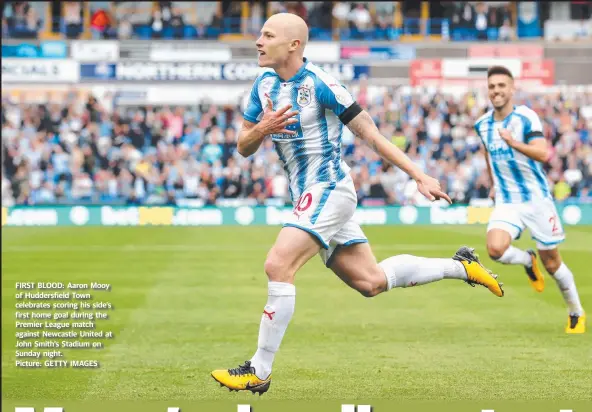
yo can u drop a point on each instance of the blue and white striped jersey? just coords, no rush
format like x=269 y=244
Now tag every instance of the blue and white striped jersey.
x=517 y=178
x=313 y=155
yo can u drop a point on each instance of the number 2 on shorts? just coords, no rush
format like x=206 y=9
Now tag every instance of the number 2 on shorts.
x=553 y=221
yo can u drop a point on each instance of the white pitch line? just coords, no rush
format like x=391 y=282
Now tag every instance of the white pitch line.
x=227 y=248
x=182 y=248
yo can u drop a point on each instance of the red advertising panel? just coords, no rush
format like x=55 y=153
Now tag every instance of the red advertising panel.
x=543 y=71
x=425 y=70
x=513 y=51
x=473 y=72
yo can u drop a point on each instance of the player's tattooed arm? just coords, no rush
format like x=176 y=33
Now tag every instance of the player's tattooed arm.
x=363 y=126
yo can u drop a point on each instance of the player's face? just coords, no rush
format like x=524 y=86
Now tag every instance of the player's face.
x=501 y=90
x=272 y=47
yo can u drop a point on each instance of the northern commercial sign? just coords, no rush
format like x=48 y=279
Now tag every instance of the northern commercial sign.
x=177 y=71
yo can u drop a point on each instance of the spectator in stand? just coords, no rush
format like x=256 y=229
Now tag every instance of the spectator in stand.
x=506 y=31
x=73 y=19
x=20 y=20
x=157 y=24
x=297 y=8
x=124 y=28
x=359 y=18
x=463 y=15
x=481 y=20
x=100 y=23
x=177 y=23
x=320 y=16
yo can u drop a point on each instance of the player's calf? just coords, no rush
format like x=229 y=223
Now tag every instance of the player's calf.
x=551 y=260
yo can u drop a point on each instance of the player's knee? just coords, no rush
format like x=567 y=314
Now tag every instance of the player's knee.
x=496 y=250
x=274 y=268
x=373 y=284
x=368 y=289
x=278 y=269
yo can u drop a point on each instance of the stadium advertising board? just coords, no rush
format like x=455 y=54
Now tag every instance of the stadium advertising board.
x=374 y=53
x=43 y=50
x=178 y=71
x=40 y=71
x=170 y=52
x=473 y=72
x=324 y=52
x=507 y=51
x=93 y=215
x=95 y=51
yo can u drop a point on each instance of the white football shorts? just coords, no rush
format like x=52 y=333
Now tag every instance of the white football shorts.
x=539 y=216
x=326 y=210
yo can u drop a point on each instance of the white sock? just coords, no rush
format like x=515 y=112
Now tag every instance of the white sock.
x=515 y=256
x=274 y=322
x=405 y=270
x=567 y=286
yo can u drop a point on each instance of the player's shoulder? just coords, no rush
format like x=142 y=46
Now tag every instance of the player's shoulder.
x=321 y=75
x=485 y=116
x=264 y=81
x=266 y=74
x=525 y=111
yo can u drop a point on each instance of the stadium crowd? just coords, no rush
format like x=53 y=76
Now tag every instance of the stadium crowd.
x=89 y=151
x=205 y=20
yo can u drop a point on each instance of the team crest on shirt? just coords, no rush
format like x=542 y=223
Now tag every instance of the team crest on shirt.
x=304 y=96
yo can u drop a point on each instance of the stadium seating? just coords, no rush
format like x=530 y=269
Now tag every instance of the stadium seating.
x=101 y=157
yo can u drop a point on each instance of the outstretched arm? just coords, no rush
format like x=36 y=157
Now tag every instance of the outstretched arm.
x=363 y=127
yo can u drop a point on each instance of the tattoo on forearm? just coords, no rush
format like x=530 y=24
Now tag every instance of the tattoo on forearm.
x=362 y=126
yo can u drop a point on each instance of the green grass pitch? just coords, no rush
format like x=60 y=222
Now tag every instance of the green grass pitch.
x=189 y=300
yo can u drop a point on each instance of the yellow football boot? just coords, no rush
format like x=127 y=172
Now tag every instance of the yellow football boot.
x=477 y=274
x=535 y=276
x=242 y=378
x=576 y=324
